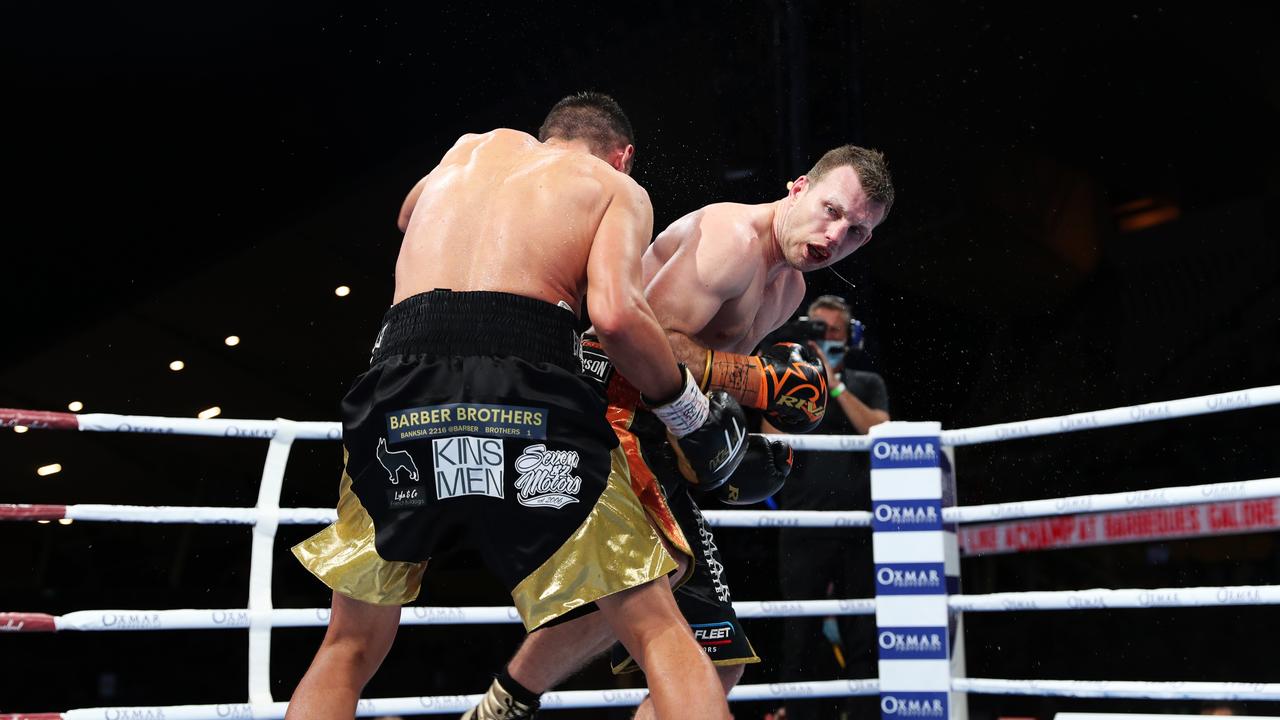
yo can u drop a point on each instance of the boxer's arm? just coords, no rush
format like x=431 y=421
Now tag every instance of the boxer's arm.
x=619 y=313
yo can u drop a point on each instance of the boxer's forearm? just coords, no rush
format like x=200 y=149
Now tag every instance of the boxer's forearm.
x=738 y=375
x=636 y=346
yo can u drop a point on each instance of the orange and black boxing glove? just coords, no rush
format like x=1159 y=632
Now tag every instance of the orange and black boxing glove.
x=785 y=380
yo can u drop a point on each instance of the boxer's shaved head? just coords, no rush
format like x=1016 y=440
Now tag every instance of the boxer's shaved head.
x=592 y=117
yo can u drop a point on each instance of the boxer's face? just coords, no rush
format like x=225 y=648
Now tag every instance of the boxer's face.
x=828 y=219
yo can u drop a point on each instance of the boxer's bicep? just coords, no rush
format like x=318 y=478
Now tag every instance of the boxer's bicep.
x=614 y=265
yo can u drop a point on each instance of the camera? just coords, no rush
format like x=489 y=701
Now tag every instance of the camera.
x=801 y=330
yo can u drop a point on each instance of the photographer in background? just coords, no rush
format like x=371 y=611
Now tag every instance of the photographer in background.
x=830 y=562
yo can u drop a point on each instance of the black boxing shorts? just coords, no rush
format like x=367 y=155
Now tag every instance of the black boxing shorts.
x=703 y=594
x=474 y=427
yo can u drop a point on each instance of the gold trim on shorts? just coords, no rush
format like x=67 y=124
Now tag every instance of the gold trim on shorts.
x=343 y=556
x=614 y=549
x=629 y=664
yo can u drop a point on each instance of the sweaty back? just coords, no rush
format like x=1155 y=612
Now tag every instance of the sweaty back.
x=507 y=213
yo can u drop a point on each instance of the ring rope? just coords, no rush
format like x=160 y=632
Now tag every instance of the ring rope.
x=1093 y=599
x=266 y=429
x=1132 y=500
x=441 y=704
x=171 y=514
x=130 y=620
x=1122 y=689
x=570 y=699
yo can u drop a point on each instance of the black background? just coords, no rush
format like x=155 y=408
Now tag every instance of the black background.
x=177 y=173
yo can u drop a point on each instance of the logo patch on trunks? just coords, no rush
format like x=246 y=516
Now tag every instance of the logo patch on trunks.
x=712 y=635
x=468 y=466
x=406 y=497
x=596 y=365
x=546 y=478
x=494 y=421
x=393 y=461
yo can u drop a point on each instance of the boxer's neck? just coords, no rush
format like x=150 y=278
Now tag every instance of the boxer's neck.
x=576 y=145
x=773 y=254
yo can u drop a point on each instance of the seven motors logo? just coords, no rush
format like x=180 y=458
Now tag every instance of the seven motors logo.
x=546 y=478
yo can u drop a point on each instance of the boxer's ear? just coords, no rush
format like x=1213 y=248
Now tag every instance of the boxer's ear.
x=622 y=159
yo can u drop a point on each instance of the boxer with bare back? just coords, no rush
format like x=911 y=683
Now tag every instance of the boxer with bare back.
x=719 y=280
x=475 y=387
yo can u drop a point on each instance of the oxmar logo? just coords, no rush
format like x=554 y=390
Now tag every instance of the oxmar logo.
x=907 y=515
x=912 y=643
x=905 y=452
x=546 y=478
x=914 y=705
x=910 y=579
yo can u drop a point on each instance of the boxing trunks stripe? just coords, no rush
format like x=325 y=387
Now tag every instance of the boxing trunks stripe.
x=702 y=594
x=624 y=402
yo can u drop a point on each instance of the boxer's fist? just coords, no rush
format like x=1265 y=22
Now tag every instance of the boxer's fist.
x=763 y=472
x=795 y=386
x=708 y=432
x=708 y=456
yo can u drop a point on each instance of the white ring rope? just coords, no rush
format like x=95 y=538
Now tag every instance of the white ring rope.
x=171 y=514
x=213 y=427
x=266 y=429
x=1121 y=689
x=197 y=515
x=1112 y=417
x=1094 y=599
x=1104 y=599
x=1133 y=500
x=442 y=704
x=131 y=620
x=1132 y=415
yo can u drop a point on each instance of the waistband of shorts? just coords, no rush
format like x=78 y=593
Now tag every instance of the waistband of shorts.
x=443 y=323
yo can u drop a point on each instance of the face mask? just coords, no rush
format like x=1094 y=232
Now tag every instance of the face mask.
x=834 y=349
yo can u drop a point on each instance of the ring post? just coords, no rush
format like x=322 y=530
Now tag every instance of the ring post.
x=914 y=571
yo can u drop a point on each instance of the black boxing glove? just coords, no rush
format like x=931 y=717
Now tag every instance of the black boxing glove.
x=708 y=433
x=795 y=387
x=763 y=472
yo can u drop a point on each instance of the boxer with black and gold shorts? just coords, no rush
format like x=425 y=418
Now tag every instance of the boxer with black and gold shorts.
x=474 y=427
x=665 y=492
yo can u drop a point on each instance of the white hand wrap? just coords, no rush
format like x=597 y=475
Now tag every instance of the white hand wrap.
x=688 y=411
